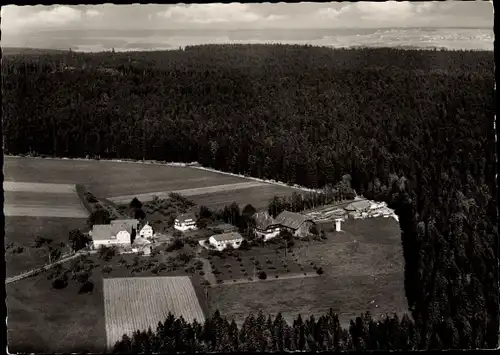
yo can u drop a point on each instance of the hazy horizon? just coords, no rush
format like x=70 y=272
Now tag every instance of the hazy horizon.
x=90 y=28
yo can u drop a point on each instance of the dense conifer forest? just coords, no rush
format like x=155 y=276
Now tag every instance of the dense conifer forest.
x=412 y=128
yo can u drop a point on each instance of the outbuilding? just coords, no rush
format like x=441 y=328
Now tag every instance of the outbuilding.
x=221 y=241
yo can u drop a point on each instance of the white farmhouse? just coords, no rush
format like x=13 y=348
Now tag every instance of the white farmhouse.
x=185 y=222
x=146 y=231
x=119 y=232
x=221 y=241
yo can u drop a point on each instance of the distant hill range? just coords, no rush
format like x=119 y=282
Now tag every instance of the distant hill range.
x=30 y=51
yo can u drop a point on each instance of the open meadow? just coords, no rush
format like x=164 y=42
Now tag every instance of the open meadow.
x=39 y=313
x=363 y=271
x=140 y=303
x=120 y=181
x=43 y=319
x=22 y=232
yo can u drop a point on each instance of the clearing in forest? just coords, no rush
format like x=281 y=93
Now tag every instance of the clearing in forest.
x=138 y=303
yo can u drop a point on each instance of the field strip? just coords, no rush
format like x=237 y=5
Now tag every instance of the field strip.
x=188 y=192
x=14 y=186
x=192 y=165
x=13 y=211
x=269 y=278
x=137 y=303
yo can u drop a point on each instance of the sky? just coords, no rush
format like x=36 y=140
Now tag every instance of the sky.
x=94 y=27
x=17 y=19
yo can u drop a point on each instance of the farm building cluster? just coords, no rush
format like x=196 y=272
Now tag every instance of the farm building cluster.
x=358 y=209
x=127 y=233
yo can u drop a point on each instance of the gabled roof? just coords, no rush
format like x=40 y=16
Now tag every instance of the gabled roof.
x=263 y=220
x=131 y=223
x=102 y=232
x=291 y=220
x=186 y=216
x=227 y=236
x=118 y=227
x=141 y=241
x=358 y=206
x=146 y=226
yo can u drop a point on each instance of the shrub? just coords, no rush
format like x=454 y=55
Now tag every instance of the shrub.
x=216 y=272
x=106 y=253
x=320 y=271
x=107 y=269
x=269 y=262
x=17 y=250
x=305 y=273
x=277 y=276
x=201 y=273
x=61 y=282
x=220 y=281
x=238 y=258
x=245 y=274
x=250 y=279
x=227 y=266
x=262 y=275
x=87 y=287
x=272 y=268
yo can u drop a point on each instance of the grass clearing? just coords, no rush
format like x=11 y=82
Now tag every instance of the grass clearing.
x=22 y=231
x=41 y=319
x=363 y=271
x=139 y=303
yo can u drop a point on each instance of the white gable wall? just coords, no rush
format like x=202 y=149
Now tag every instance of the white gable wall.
x=123 y=237
x=146 y=232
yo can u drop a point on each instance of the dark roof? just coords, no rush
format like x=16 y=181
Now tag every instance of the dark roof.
x=127 y=224
x=263 y=220
x=223 y=226
x=119 y=226
x=185 y=216
x=291 y=220
x=227 y=236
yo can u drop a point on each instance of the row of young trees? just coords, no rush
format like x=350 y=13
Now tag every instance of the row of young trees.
x=412 y=128
x=261 y=334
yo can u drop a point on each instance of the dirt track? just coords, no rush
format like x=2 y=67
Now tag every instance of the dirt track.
x=189 y=192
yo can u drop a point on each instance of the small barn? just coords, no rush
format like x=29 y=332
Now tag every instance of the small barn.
x=221 y=241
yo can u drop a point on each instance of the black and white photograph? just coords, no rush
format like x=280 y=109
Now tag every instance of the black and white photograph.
x=250 y=177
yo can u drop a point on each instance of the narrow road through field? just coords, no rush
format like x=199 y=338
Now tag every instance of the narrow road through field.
x=207 y=269
x=269 y=278
x=188 y=192
x=46 y=267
